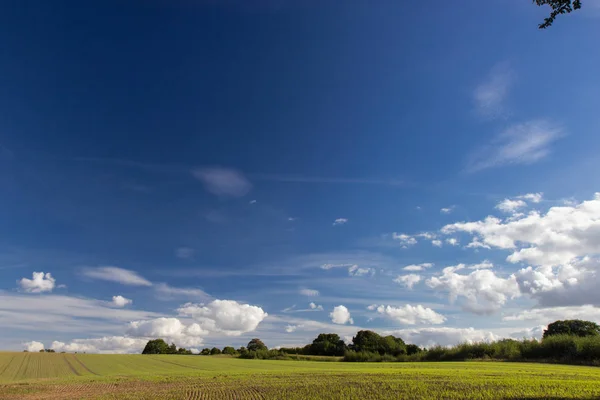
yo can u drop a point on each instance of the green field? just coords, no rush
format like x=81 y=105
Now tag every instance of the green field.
x=91 y=376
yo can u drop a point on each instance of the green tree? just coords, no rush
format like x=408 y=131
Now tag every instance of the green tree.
x=558 y=7
x=575 y=327
x=205 y=352
x=366 y=341
x=327 y=344
x=156 y=346
x=214 y=351
x=172 y=349
x=242 y=350
x=256 y=344
x=412 y=349
x=228 y=350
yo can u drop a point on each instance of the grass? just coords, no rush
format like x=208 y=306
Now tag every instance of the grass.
x=91 y=376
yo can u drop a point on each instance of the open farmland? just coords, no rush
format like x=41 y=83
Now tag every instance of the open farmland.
x=90 y=376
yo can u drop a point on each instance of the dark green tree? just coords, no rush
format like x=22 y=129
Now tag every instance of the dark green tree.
x=156 y=346
x=366 y=341
x=327 y=344
x=172 y=349
x=242 y=350
x=558 y=7
x=228 y=350
x=575 y=327
x=205 y=352
x=412 y=349
x=214 y=351
x=256 y=344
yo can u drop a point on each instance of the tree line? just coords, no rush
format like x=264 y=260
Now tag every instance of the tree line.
x=569 y=341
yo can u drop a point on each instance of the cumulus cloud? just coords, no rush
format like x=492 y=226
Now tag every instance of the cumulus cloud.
x=184 y=253
x=355 y=270
x=524 y=143
x=40 y=283
x=558 y=237
x=418 y=267
x=107 y=344
x=452 y=241
x=170 y=329
x=443 y=336
x=116 y=274
x=314 y=306
x=309 y=292
x=223 y=181
x=291 y=328
x=225 y=316
x=33 y=347
x=480 y=291
x=340 y=221
x=510 y=206
x=476 y=244
x=447 y=210
x=411 y=315
x=340 y=315
x=533 y=197
x=120 y=301
x=409 y=280
x=436 y=243
x=405 y=240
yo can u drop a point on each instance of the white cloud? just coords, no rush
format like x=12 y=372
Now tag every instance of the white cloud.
x=309 y=292
x=168 y=292
x=452 y=241
x=185 y=253
x=476 y=244
x=355 y=270
x=405 y=240
x=252 y=202
x=533 y=197
x=107 y=344
x=427 y=235
x=490 y=95
x=225 y=316
x=40 y=283
x=447 y=210
x=436 y=243
x=340 y=315
x=58 y=313
x=292 y=328
x=418 y=267
x=33 y=347
x=120 y=301
x=115 y=274
x=481 y=291
x=510 y=206
x=340 y=221
x=331 y=266
x=170 y=329
x=443 y=336
x=314 y=306
x=524 y=143
x=223 y=181
x=409 y=280
x=411 y=315
x=555 y=238
x=551 y=314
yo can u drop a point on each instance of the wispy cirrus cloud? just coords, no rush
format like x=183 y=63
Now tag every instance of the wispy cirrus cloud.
x=490 y=95
x=519 y=144
x=223 y=181
x=116 y=274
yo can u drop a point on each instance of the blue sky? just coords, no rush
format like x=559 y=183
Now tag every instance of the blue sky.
x=210 y=172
